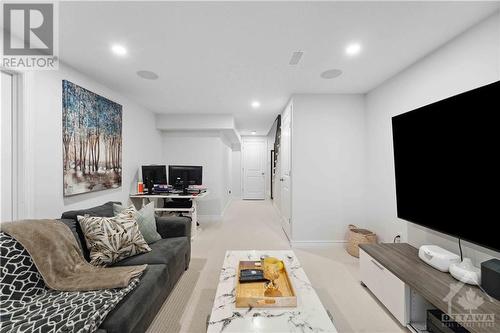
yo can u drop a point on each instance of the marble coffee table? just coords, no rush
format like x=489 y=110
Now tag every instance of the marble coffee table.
x=308 y=316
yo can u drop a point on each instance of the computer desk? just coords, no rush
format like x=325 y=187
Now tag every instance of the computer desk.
x=193 y=211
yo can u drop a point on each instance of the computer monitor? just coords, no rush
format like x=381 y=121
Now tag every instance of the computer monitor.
x=156 y=173
x=181 y=176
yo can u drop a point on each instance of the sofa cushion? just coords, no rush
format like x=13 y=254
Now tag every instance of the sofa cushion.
x=78 y=233
x=174 y=252
x=173 y=226
x=69 y=218
x=163 y=251
x=136 y=311
x=111 y=239
x=105 y=210
x=176 y=226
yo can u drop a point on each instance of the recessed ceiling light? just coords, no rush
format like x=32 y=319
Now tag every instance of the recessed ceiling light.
x=255 y=104
x=331 y=74
x=353 y=49
x=118 y=49
x=148 y=75
x=253 y=132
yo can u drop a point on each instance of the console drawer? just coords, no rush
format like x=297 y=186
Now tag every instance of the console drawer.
x=387 y=287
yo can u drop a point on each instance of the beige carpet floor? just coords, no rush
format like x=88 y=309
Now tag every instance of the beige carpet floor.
x=255 y=225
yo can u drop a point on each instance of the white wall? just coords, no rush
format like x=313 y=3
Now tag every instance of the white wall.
x=327 y=166
x=226 y=174
x=221 y=123
x=236 y=174
x=467 y=62
x=45 y=100
x=6 y=143
x=197 y=122
x=208 y=149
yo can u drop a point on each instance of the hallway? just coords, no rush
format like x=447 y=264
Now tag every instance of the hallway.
x=256 y=225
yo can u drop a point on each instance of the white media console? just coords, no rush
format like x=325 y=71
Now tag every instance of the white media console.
x=408 y=287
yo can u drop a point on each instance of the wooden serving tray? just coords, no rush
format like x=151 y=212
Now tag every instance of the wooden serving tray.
x=251 y=294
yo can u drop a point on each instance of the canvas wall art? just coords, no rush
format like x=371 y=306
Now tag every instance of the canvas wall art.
x=92 y=141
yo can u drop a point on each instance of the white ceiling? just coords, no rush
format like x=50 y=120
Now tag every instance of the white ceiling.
x=218 y=57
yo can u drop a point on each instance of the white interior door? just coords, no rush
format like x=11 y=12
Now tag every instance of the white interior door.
x=254 y=169
x=286 y=160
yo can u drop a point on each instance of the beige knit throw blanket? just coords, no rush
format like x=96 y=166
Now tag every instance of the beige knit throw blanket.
x=59 y=260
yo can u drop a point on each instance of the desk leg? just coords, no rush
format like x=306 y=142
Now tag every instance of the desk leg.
x=194 y=220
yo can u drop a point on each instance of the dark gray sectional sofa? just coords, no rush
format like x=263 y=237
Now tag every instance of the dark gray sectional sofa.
x=167 y=261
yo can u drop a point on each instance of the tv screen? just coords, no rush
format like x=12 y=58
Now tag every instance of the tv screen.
x=446 y=165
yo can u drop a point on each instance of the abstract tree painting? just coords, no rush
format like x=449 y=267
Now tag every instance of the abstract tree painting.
x=92 y=141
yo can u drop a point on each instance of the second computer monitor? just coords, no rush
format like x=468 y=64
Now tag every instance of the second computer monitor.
x=185 y=175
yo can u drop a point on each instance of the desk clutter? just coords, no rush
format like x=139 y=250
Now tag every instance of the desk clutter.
x=177 y=196
x=182 y=179
x=169 y=189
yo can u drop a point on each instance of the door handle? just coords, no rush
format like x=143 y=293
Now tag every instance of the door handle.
x=376 y=264
x=263 y=174
x=281 y=179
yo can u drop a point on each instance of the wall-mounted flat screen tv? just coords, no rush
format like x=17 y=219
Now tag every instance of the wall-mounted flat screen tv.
x=446 y=159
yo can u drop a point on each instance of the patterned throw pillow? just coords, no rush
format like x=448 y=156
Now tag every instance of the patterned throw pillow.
x=145 y=219
x=111 y=239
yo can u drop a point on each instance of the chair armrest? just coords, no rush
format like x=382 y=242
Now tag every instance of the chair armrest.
x=174 y=226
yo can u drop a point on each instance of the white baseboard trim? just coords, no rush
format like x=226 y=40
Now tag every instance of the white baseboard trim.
x=306 y=244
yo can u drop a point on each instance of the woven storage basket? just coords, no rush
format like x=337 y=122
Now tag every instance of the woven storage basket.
x=358 y=236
